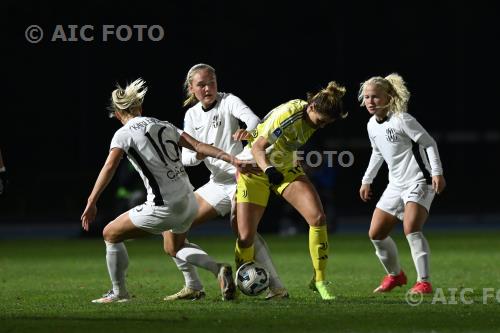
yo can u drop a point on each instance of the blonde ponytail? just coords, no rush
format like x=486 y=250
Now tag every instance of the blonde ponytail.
x=127 y=100
x=400 y=94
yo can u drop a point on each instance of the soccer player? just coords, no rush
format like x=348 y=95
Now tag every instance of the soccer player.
x=398 y=139
x=213 y=117
x=275 y=142
x=152 y=147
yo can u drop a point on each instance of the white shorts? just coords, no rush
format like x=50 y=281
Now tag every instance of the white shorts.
x=394 y=199
x=177 y=216
x=218 y=195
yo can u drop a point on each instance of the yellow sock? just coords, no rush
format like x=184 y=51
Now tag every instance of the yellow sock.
x=243 y=254
x=318 y=248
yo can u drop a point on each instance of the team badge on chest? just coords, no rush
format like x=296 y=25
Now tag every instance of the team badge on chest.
x=391 y=135
x=216 y=122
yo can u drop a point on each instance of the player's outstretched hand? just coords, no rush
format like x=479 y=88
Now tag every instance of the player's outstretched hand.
x=438 y=184
x=365 y=192
x=88 y=216
x=241 y=135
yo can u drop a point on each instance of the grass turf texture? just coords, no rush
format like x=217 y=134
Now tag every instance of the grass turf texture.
x=46 y=286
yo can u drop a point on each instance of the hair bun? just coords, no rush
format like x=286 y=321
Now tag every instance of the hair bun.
x=334 y=87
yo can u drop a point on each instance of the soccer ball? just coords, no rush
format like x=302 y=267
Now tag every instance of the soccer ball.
x=252 y=279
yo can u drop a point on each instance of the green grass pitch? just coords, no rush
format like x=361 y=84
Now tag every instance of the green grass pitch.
x=47 y=285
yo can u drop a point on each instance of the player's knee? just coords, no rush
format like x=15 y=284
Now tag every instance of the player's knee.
x=372 y=235
x=409 y=229
x=110 y=236
x=376 y=234
x=169 y=248
x=318 y=220
x=170 y=251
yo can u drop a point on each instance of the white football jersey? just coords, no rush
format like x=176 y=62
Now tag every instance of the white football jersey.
x=152 y=148
x=216 y=127
x=402 y=143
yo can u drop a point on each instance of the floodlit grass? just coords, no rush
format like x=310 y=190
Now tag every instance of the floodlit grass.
x=47 y=285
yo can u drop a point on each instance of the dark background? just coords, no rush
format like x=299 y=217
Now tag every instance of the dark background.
x=55 y=133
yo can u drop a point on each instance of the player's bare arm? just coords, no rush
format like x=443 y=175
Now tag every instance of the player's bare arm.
x=259 y=153
x=189 y=142
x=105 y=176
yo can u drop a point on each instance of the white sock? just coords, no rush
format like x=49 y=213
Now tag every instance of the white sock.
x=420 y=252
x=191 y=278
x=387 y=252
x=263 y=256
x=117 y=261
x=198 y=257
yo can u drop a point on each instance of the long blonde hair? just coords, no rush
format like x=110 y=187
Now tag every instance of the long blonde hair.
x=394 y=86
x=129 y=99
x=328 y=101
x=190 y=97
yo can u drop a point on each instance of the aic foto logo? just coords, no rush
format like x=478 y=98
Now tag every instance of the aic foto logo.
x=93 y=33
x=452 y=296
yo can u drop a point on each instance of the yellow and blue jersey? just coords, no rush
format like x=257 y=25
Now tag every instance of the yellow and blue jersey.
x=286 y=130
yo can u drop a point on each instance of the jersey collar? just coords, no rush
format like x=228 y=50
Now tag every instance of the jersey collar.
x=211 y=106
x=382 y=121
